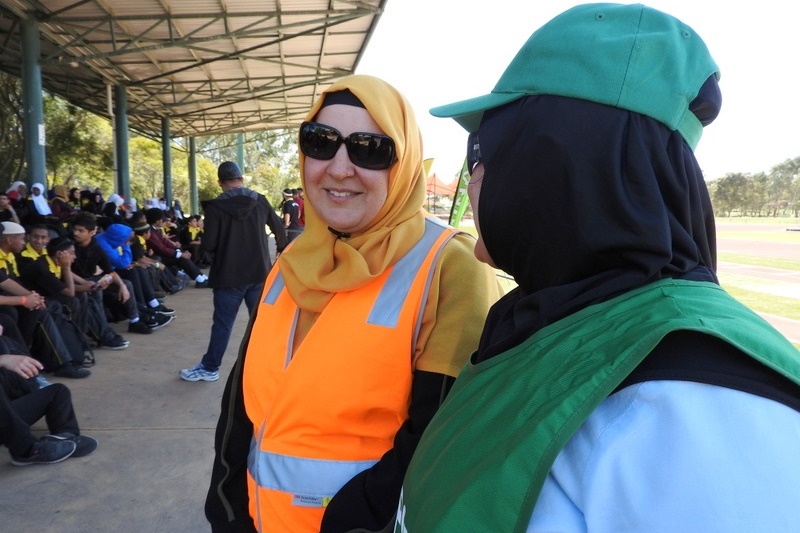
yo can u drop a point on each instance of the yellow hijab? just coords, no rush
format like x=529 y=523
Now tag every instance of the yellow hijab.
x=60 y=191
x=318 y=264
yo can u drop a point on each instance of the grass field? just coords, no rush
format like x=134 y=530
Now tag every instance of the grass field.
x=758 y=294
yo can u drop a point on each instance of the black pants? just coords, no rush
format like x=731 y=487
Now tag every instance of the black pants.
x=142 y=284
x=54 y=403
x=15 y=433
x=110 y=297
x=181 y=263
x=40 y=334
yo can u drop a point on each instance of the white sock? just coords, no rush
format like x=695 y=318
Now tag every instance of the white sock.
x=134 y=320
x=201 y=278
x=153 y=303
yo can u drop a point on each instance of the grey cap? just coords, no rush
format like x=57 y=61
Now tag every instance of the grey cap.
x=229 y=170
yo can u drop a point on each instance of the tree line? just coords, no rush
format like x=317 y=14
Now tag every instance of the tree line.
x=766 y=194
x=79 y=153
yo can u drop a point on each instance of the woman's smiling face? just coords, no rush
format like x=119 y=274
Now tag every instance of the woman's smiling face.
x=346 y=197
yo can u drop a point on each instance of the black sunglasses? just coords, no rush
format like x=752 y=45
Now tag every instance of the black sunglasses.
x=366 y=150
x=473 y=151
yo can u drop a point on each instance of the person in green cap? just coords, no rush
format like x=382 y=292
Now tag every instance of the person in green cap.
x=618 y=387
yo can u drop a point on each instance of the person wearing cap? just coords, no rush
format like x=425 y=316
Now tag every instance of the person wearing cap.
x=235 y=222
x=618 y=387
x=362 y=325
x=45 y=266
x=35 y=320
x=290 y=211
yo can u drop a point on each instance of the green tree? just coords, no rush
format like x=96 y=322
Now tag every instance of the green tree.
x=784 y=187
x=79 y=146
x=11 y=142
x=728 y=193
x=270 y=158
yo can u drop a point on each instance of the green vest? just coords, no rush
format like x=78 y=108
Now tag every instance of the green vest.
x=483 y=460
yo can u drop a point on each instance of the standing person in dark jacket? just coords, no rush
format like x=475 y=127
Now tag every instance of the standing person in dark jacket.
x=235 y=220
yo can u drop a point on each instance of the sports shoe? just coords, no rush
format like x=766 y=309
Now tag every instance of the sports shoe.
x=158 y=321
x=201 y=284
x=164 y=310
x=115 y=343
x=83 y=445
x=139 y=327
x=69 y=370
x=198 y=373
x=178 y=287
x=45 y=452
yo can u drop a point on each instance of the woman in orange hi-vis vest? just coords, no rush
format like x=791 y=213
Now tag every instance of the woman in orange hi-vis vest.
x=362 y=326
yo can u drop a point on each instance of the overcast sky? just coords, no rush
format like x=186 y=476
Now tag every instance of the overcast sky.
x=439 y=51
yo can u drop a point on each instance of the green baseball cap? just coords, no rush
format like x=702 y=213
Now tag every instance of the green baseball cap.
x=628 y=56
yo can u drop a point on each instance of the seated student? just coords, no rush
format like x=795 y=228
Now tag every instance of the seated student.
x=115 y=244
x=60 y=204
x=38 y=208
x=23 y=403
x=170 y=252
x=25 y=448
x=30 y=311
x=162 y=276
x=74 y=196
x=7 y=211
x=18 y=194
x=45 y=266
x=113 y=210
x=129 y=207
x=92 y=263
x=190 y=236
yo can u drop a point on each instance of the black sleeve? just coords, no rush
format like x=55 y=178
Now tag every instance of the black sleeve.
x=208 y=243
x=102 y=259
x=36 y=276
x=226 y=505
x=369 y=500
x=276 y=225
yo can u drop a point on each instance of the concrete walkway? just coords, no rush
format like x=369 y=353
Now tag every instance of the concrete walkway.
x=151 y=469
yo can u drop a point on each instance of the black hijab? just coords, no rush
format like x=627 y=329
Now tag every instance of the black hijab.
x=582 y=202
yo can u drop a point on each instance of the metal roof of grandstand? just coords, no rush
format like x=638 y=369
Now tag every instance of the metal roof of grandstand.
x=212 y=66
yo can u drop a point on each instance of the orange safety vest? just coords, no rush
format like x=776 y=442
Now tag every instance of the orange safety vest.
x=331 y=410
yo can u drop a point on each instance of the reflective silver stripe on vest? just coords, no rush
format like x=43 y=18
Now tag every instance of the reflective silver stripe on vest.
x=312 y=478
x=275 y=289
x=386 y=311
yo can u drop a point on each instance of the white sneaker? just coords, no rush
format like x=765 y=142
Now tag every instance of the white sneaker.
x=198 y=373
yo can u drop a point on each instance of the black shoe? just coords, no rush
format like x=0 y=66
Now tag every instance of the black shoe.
x=69 y=370
x=158 y=321
x=163 y=309
x=46 y=452
x=83 y=445
x=201 y=284
x=114 y=343
x=139 y=327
